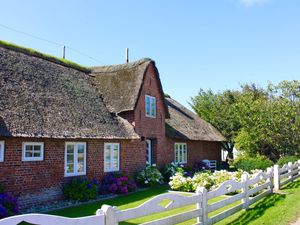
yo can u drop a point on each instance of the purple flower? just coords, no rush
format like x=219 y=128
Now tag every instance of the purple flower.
x=3 y=212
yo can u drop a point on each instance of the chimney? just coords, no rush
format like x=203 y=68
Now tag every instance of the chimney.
x=63 y=52
x=127 y=55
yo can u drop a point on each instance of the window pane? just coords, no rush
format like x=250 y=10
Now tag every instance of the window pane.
x=37 y=154
x=28 y=154
x=115 y=164
x=70 y=148
x=70 y=158
x=80 y=157
x=80 y=148
x=70 y=168
x=80 y=167
x=147 y=106
x=107 y=165
x=37 y=147
x=28 y=147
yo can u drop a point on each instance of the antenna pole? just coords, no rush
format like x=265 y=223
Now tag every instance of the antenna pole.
x=127 y=55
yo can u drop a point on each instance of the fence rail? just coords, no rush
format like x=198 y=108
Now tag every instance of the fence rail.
x=243 y=193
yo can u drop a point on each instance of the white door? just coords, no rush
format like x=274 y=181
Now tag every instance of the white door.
x=149 y=152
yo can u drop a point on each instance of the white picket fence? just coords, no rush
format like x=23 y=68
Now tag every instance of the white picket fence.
x=248 y=191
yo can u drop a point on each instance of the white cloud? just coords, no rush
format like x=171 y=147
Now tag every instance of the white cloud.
x=252 y=2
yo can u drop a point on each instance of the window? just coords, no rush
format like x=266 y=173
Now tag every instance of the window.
x=33 y=151
x=1 y=151
x=111 y=157
x=180 y=153
x=150 y=103
x=149 y=152
x=75 y=159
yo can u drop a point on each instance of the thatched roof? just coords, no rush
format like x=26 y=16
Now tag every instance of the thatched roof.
x=184 y=124
x=120 y=85
x=39 y=98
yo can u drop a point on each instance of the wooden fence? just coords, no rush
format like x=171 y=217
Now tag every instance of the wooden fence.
x=242 y=194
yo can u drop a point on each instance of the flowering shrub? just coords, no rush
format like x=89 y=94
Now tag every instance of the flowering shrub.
x=201 y=166
x=80 y=189
x=171 y=169
x=117 y=183
x=181 y=183
x=8 y=205
x=150 y=176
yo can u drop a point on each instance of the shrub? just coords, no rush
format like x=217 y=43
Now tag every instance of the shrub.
x=287 y=159
x=248 y=163
x=8 y=205
x=150 y=176
x=201 y=166
x=80 y=189
x=117 y=183
x=171 y=169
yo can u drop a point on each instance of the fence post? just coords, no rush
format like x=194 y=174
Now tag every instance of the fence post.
x=270 y=172
x=299 y=166
x=290 y=166
x=276 y=177
x=245 y=190
x=110 y=214
x=203 y=205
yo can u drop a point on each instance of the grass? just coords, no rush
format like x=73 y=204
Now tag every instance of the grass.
x=50 y=58
x=279 y=209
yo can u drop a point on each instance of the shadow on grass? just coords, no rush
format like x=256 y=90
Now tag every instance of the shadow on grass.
x=259 y=209
x=292 y=185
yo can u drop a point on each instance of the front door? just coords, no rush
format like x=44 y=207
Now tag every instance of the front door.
x=149 y=152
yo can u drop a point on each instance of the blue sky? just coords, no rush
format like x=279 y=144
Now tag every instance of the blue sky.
x=208 y=44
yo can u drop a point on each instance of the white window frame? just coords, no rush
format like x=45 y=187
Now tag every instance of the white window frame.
x=180 y=153
x=2 y=146
x=26 y=159
x=75 y=172
x=150 y=98
x=111 y=157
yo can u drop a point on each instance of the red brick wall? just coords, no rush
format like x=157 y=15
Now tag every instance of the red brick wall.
x=28 y=179
x=151 y=128
x=196 y=150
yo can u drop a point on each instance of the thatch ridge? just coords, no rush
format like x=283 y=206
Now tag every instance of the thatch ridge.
x=39 y=98
x=35 y=53
x=184 y=124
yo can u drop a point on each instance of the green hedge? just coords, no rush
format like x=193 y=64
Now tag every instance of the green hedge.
x=249 y=163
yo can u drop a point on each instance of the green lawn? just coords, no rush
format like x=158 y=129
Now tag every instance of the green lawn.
x=274 y=209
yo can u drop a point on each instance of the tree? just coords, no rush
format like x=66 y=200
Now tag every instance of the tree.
x=255 y=120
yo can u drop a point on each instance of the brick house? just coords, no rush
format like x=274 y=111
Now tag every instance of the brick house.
x=58 y=122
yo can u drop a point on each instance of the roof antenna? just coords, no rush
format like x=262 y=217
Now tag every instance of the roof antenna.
x=63 y=51
x=127 y=55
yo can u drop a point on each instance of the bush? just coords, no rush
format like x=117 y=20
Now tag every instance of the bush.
x=8 y=205
x=201 y=166
x=117 y=183
x=150 y=176
x=248 y=163
x=171 y=169
x=80 y=189
x=287 y=159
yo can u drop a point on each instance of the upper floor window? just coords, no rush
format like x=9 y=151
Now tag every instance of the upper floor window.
x=33 y=151
x=111 y=157
x=180 y=153
x=150 y=103
x=1 y=151
x=75 y=159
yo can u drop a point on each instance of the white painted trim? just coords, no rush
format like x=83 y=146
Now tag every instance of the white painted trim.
x=75 y=173
x=111 y=155
x=149 y=115
x=149 y=142
x=2 y=149
x=180 y=153
x=28 y=159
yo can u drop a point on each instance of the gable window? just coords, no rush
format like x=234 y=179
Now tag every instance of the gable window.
x=1 y=151
x=75 y=159
x=180 y=153
x=150 y=104
x=111 y=157
x=33 y=151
